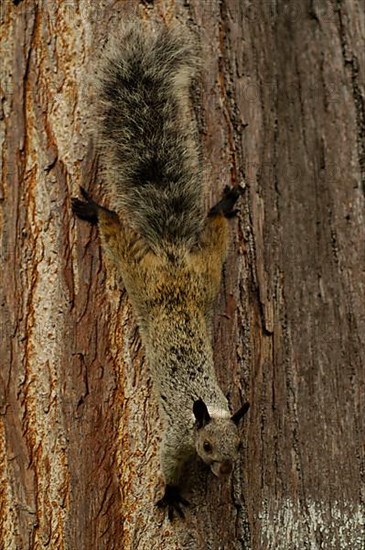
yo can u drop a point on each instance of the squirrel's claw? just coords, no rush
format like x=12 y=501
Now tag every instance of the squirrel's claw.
x=85 y=210
x=85 y=194
x=90 y=211
x=227 y=202
x=172 y=500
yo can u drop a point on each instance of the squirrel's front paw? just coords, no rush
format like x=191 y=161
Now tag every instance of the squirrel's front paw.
x=227 y=202
x=172 y=500
x=85 y=210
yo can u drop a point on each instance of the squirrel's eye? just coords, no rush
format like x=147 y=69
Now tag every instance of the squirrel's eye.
x=207 y=447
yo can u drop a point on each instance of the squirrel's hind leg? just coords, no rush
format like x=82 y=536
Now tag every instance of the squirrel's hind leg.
x=114 y=237
x=123 y=246
x=90 y=211
x=209 y=256
x=214 y=237
x=227 y=202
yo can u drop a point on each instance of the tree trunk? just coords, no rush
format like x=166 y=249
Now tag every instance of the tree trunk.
x=283 y=108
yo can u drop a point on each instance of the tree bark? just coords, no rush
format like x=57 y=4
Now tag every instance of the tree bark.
x=283 y=109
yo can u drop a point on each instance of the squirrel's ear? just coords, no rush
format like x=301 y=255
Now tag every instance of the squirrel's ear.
x=236 y=417
x=201 y=413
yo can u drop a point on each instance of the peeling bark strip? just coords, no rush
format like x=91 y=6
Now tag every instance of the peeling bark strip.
x=283 y=107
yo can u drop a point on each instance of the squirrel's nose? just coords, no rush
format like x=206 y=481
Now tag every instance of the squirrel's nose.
x=225 y=468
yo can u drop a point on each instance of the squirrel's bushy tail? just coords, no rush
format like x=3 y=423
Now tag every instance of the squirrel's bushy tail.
x=148 y=132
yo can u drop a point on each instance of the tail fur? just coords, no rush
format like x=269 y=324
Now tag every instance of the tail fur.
x=148 y=133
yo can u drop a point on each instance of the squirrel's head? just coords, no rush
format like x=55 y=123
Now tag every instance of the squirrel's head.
x=217 y=440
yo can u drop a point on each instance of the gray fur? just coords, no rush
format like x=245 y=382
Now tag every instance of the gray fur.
x=148 y=134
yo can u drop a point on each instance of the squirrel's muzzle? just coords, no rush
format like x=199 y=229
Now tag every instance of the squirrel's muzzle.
x=221 y=469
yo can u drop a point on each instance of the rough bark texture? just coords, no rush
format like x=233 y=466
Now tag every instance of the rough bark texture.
x=283 y=109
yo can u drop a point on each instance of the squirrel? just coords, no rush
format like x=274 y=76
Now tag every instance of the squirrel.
x=168 y=252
